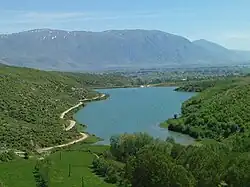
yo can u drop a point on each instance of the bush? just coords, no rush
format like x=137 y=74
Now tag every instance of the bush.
x=7 y=156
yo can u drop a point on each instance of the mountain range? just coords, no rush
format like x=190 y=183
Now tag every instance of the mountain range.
x=80 y=50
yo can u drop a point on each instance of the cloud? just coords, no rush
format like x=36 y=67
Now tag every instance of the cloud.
x=52 y=15
x=22 y=17
x=15 y=21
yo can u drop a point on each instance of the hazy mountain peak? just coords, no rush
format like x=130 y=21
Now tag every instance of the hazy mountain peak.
x=207 y=44
x=81 y=50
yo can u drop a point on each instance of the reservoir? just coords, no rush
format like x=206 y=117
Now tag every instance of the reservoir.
x=130 y=110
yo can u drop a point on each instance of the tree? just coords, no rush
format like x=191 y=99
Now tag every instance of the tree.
x=154 y=168
x=176 y=150
x=180 y=177
x=175 y=116
x=159 y=146
x=170 y=139
x=206 y=163
x=7 y=156
x=26 y=155
x=41 y=173
x=126 y=145
x=237 y=172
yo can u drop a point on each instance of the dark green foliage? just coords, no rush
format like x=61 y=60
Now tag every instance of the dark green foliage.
x=109 y=169
x=159 y=146
x=157 y=163
x=238 y=143
x=128 y=144
x=166 y=163
x=41 y=173
x=155 y=168
x=26 y=155
x=31 y=102
x=180 y=177
x=176 y=150
x=206 y=164
x=7 y=156
x=237 y=171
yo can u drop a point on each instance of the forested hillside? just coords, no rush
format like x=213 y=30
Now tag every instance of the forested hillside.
x=197 y=86
x=217 y=112
x=31 y=102
x=138 y=160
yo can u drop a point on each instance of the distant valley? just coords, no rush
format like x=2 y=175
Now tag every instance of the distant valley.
x=115 y=49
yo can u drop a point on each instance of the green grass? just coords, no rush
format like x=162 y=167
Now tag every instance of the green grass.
x=80 y=162
x=86 y=144
x=164 y=124
x=17 y=173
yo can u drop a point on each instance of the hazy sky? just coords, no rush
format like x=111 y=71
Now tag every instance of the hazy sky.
x=226 y=22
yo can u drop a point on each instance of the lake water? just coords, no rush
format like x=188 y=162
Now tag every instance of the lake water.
x=130 y=110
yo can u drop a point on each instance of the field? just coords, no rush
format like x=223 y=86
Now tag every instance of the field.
x=19 y=173
x=80 y=163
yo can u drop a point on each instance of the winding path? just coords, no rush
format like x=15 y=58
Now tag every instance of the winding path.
x=71 y=125
x=83 y=137
x=72 y=122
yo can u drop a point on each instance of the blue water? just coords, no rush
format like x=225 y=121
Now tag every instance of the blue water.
x=129 y=110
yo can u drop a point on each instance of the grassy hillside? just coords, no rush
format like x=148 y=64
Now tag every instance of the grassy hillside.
x=31 y=102
x=217 y=112
x=80 y=161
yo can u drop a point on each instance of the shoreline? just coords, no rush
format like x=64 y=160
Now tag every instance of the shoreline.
x=165 y=84
x=160 y=124
x=84 y=136
x=71 y=125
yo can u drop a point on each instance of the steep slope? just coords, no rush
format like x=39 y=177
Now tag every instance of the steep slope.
x=221 y=52
x=80 y=50
x=212 y=47
x=243 y=54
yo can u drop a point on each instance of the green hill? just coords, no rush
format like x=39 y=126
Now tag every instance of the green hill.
x=31 y=102
x=219 y=111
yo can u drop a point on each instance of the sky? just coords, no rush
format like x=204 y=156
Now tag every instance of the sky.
x=226 y=22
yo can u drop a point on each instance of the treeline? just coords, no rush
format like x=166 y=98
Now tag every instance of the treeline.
x=201 y=85
x=31 y=102
x=41 y=173
x=6 y=156
x=217 y=112
x=138 y=160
